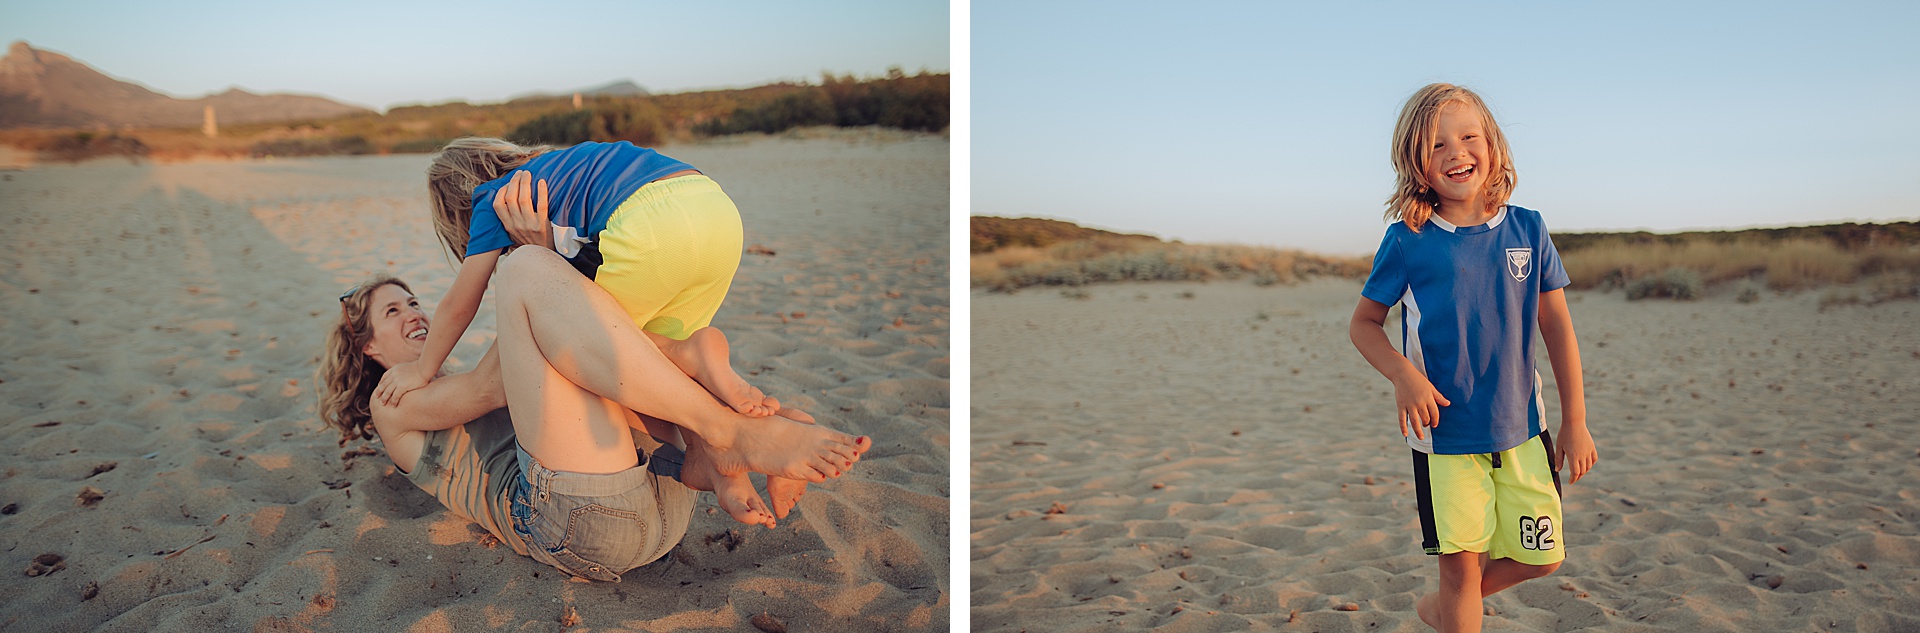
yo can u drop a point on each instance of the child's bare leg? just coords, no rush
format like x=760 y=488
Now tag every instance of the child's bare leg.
x=1498 y=575
x=704 y=356
x=1456 y=606
x=1502 y=573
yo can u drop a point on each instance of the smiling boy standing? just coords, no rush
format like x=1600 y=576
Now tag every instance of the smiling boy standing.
x=1473 y=275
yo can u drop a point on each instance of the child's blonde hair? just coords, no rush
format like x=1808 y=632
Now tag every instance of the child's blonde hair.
x=462 y=165
x=1413 y=199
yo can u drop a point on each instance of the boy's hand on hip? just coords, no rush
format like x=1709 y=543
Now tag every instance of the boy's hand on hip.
x=1418 y=403
x=1575 y=449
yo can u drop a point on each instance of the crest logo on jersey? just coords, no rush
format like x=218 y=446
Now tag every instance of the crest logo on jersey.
x=1520 y=263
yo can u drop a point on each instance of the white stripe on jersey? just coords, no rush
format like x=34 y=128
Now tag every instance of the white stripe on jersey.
x=1410 y=341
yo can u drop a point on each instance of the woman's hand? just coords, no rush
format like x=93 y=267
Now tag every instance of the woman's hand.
x=1417 y=403
x=399 y=380
x=523 y=210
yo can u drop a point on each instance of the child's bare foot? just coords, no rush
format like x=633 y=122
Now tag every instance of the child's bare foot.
x=784 y=448
x=741 y=501
x=710 y=365
x=1428 y=611
x=786 y=492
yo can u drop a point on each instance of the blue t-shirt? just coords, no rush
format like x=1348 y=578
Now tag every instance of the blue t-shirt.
x=585 y=183
x=1471 y=299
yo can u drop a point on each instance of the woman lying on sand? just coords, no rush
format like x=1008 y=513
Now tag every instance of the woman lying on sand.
x=562 y=473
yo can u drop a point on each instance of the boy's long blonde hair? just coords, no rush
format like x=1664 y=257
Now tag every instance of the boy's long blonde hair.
x=347 y=376
x=1413 y=199
x=462 y=165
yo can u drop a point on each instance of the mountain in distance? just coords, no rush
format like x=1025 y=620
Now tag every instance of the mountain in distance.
x=621 y=88
x=43 y=89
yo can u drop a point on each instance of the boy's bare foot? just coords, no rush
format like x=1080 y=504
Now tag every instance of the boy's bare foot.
x=784 y=448
x=786 y=492
x=741 y=501
x=1428 y=611
x=712 y=367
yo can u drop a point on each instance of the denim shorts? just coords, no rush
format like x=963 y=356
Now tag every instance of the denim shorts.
x=598 y=526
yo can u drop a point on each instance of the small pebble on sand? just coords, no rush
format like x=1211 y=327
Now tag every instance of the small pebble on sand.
x=768 y=623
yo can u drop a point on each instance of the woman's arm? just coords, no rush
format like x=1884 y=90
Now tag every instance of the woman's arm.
x=523 y=214
x=451 y=319
x=448 y=401
x=1575 y=447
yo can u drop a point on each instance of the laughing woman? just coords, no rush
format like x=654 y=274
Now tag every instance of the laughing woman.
x=540 y=443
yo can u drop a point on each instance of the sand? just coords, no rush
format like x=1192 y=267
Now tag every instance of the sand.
x=159 y=334
x=1229 y=462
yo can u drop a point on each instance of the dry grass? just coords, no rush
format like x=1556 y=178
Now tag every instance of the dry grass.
x=1010 y=254
x=1791 y=264
x=1099 y=260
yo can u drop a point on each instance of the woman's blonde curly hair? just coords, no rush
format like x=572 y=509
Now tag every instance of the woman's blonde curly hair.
x=1413 y=199
x=462 y=165
x=347 y=376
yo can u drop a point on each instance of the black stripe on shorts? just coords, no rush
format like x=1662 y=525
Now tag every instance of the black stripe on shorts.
x=1423 y=493
x=1546 y=441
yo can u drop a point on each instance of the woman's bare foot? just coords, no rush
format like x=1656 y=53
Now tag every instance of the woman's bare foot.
x=786 y=492
x=708 y=362
x=741 y=501
x=735 y=492
x=781 y=447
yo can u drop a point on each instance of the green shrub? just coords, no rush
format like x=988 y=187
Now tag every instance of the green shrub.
x=919 y=102
x=80 y=146
x=1676 y=283
x=560 y=128
x=791 y=110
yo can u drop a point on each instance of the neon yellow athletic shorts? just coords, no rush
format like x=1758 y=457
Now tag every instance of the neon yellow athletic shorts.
x=670 y=252
x=1506 y=504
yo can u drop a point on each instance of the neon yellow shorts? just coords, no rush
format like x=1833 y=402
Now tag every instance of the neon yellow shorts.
x=670 y=252
x=1506 y=504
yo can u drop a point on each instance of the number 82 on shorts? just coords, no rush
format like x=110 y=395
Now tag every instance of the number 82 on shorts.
x=1536 y=533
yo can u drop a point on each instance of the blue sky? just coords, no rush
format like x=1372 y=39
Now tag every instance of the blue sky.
x=380 y=54
x=1268 y=123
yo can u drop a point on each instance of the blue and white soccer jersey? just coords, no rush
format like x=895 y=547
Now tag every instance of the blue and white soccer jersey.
x=1470 y=297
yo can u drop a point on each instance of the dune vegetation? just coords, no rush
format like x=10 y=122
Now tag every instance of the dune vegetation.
x=916 y=102
x=1009 y=254
x=1885 y=258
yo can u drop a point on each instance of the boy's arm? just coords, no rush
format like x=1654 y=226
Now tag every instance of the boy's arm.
x=451 y=319
x=447 y=402
x=1575 y=447
x=1414 y=396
